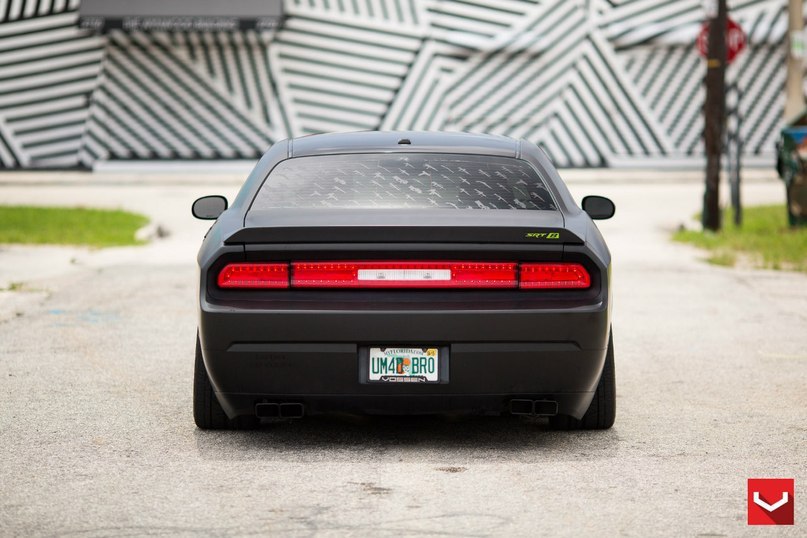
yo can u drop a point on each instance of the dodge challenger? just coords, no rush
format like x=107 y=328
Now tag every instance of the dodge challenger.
x=404 y=273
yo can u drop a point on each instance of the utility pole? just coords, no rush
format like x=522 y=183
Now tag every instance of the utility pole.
x=714 y=113
x=794 y=91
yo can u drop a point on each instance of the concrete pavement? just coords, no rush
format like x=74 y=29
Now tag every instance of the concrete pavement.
x=97 y=438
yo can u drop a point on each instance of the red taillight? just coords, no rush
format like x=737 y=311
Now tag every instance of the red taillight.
x=403 y=274
x=254 y=275
x=553 y=276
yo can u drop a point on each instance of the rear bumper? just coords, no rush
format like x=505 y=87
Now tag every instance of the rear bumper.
x=312 y=357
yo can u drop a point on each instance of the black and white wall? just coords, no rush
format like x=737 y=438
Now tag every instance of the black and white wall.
x=596 y=82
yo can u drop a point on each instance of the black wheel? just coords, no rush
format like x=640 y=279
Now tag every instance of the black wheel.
x=207 y=411
x=602 y=411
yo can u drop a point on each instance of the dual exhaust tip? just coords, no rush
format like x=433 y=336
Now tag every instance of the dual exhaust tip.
x=535 y=408
x=279 y=410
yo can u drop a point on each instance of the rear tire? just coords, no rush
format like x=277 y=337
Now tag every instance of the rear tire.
x=602 y=411
x=207 y=411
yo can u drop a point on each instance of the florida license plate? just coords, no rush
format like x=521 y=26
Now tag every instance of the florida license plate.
x=404 y=364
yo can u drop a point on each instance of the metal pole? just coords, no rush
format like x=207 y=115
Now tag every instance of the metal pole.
x=714 y=112
x=736 y=166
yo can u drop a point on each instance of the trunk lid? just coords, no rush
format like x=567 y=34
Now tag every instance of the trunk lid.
x=403 y=226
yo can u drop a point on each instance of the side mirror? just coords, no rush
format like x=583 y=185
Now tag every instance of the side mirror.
x=599 y=207
x=209 y=207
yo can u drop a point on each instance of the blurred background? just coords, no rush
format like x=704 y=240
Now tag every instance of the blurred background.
x=597 y=83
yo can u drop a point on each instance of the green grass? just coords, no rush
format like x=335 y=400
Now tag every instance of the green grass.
x=764 y=240
x=69 y=226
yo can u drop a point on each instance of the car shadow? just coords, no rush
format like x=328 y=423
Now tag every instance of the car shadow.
x=442 y=439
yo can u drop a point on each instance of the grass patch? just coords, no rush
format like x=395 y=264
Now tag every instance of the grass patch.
x=69 y=226
x=765 y=240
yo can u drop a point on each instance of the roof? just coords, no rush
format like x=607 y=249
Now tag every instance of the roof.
x=392 y=141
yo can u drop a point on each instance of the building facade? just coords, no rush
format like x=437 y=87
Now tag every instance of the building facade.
x=597 y=83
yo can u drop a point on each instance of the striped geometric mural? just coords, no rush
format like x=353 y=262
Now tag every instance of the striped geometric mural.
x=48 y=70
x=595 y=82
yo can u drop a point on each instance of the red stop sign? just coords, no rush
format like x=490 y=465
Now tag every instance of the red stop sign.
x=735 y=40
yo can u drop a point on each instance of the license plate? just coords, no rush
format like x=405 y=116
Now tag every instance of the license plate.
x=404 y=364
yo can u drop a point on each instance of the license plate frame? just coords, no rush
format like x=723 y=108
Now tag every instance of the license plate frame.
x=442 y=365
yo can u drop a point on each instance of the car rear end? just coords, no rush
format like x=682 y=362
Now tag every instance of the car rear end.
x=406 y=283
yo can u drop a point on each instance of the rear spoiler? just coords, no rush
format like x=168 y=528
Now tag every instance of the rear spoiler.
x=326 y=225
x=403 y=234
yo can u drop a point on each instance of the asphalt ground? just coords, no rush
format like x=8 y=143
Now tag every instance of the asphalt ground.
x=97 y=437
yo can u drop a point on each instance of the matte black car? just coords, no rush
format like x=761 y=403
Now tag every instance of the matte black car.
x=404 y=273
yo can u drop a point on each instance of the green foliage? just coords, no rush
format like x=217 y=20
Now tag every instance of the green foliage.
x=765 y=240
x=69 y=226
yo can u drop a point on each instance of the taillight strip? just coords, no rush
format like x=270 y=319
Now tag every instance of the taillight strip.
x=403 y=274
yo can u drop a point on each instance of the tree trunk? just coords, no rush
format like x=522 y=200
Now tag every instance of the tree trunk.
x=714 y=113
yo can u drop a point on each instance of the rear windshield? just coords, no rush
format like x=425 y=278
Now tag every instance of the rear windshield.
x=404 y=180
